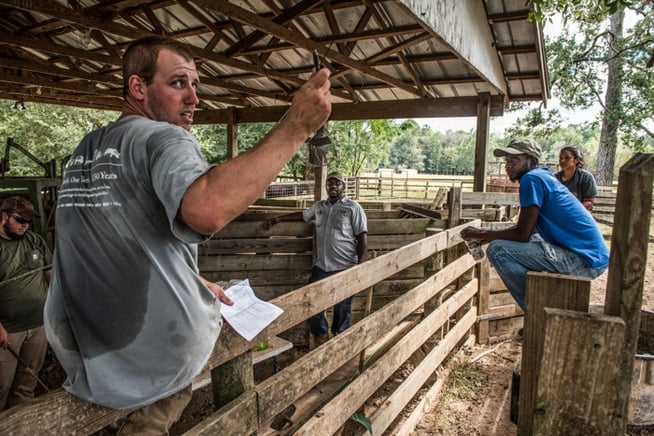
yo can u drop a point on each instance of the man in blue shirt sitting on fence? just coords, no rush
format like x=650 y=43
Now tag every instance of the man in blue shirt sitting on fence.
x=554 y=233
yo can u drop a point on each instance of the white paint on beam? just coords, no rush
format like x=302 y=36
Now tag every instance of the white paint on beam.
x=463 y=25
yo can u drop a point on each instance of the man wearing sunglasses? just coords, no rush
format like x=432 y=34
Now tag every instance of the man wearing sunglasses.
x=24 y=276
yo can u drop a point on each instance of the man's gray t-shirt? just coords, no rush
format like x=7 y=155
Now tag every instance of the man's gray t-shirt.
x=127 y=315
x=337 y=226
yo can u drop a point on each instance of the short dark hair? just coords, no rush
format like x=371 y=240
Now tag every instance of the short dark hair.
x=140 y=57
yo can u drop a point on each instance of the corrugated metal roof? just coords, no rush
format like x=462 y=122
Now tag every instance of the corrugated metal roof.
x=418 y=54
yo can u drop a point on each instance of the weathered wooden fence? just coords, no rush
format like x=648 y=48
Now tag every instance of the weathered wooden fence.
x=448 y=289
x=428 y=296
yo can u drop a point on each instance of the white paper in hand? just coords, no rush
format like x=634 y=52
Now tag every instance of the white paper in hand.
x=248 y=315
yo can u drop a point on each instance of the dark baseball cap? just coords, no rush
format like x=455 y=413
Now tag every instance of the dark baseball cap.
x=519 y=146
x=337 y=176
x=19 y=206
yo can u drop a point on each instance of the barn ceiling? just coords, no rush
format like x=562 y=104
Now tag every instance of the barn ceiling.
x=389 y=59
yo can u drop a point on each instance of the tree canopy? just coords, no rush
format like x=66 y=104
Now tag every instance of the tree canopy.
x=596 y=60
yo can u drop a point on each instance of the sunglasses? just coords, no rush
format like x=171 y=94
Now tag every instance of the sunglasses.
x=20 y=219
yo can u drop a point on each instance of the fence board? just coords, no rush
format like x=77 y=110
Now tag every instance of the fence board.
x=578 y=373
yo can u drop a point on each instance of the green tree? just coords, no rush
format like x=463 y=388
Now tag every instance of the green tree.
x=595 y=61
x=360 y=145
x=48 y=132
x=407 y=149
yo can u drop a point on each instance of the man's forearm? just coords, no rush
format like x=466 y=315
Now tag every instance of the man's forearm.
x=227 y=190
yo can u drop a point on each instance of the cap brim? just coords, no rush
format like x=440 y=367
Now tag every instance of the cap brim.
x=499 y=152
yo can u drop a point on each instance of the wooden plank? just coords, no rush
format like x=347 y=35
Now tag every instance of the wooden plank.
x=503 y=298
x=244 y=262
x=259 y=277
x=244 y=229
x=391 y=242
x=398 y=226
x=578 y=373
x=331 y=417
x=240 y=414
x=60 y=413
x=421 y=211
x=624 y=290
x=276 y=346
x=543 y=290
x=383 y=417
x=490 y=198
x=256 y=245
x=503 y=328
x=290 y=384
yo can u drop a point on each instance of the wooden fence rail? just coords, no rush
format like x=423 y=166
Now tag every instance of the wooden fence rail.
x=61 y=413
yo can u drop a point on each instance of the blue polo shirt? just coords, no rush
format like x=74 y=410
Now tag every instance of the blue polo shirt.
x=562 y=219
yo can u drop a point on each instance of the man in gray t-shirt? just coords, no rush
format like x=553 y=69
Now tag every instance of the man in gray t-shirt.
x=128 y=315
x=341 y=243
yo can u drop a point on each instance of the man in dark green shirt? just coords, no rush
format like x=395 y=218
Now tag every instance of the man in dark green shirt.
x=24 y=276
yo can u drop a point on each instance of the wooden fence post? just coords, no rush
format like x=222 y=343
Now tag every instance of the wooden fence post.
x=231 y=379
x=624 y=292
x=483 y=300
x=454 y=206
x=543 y=290
x=578 y=373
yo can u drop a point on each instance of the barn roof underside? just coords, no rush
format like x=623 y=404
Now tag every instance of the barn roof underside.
x=389 y=59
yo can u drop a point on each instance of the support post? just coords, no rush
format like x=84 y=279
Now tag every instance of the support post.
x=481 y=142
x=543 y=290
x=231 y=379
x=624 y=291
x=454 y=206
x=578 y=373
x=232 y=134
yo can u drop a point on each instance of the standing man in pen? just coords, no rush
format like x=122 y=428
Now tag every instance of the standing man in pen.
x=341 y=243
x=24 y=276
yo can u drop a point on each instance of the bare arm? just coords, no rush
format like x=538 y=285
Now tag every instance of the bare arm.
x=362 y=247
x=225 y=191
x=521 y=232
x=293 y=216
x=588 y=203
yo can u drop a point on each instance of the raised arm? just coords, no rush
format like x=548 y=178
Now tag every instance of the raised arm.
x=228 y=189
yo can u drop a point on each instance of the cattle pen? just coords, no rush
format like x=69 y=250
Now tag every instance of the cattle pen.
x=418 y=299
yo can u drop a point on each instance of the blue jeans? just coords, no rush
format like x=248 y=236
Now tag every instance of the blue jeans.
x=513 y=260
x=342 y=311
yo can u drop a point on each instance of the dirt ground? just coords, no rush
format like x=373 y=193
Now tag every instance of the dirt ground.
x=476 y=400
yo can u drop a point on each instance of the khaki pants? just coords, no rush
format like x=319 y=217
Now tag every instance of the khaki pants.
x=17 y=384
x=157 y=418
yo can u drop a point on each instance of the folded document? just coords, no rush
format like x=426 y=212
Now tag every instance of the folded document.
x=248 y=315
